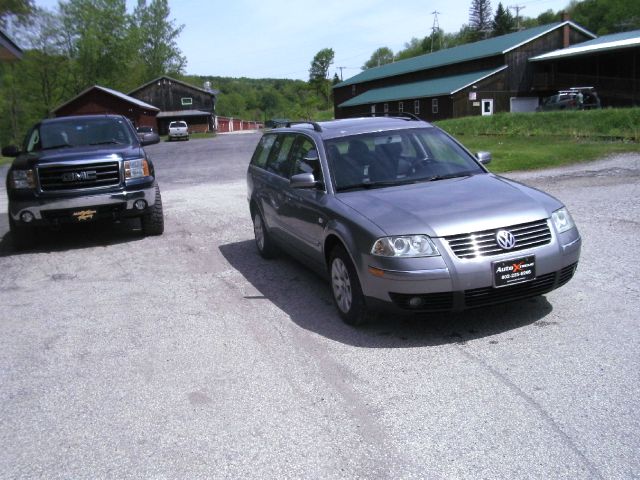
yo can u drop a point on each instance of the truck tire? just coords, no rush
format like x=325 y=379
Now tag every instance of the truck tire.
x=22 y=237
x=153 y=220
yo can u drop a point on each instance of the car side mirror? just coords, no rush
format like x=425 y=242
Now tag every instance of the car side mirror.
x=303 y=180
x=10 y=151
x=484 y=157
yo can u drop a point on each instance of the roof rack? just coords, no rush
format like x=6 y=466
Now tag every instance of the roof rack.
x=316 y=125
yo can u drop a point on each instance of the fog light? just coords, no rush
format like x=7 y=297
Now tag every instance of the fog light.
x=415 y=302
x=27 y=217
x=140 y=204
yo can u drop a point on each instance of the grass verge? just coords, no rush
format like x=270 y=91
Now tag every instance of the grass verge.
x=528 y=141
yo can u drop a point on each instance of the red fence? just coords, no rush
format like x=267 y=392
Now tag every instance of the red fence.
x=228 y=124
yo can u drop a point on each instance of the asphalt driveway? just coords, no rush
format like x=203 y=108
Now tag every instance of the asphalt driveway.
x=188 y=356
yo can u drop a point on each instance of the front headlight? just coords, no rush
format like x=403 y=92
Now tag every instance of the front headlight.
x=22 y=179
x=136 y=168
x=562 y=220
x=405 y=246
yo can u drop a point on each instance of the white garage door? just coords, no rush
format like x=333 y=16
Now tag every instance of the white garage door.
x=524 y=104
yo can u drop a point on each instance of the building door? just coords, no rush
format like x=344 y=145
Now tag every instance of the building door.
x=487 y=106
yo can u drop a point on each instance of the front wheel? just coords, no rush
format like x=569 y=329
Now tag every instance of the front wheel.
x=22 y=237
x=153 y=220
x=345 y=286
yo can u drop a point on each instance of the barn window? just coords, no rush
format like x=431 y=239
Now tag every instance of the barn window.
x=386 y=108
x=434 y=105
x=186 y=101
x=373 y=109
x=401 y=107
x=353 y=90
x=416 y=107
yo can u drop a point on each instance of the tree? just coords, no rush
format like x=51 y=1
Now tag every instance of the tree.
x=319 y=72
x=98 y=40
x=18 y=8
x=381 y=56
x=480 y=18
x=412 y=48
x=503 y=21
x=156 y=37
x=606 y=16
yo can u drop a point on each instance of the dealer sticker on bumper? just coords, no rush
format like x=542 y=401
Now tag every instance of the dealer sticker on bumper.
x=514 y=271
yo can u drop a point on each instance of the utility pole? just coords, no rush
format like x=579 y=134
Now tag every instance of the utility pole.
x=435 y=28
x=517 y=8
x=341 y=68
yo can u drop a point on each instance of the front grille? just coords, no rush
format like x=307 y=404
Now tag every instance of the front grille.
x=81 y=176
x=480 y=297
x=483 y=244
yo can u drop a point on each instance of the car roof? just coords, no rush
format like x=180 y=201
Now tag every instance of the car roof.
x=354 y=126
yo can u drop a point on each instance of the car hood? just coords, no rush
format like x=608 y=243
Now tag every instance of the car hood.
x=84 y=153
x=449 y=207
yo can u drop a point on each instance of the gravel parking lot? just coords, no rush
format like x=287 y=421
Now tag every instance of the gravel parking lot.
x=188 y=356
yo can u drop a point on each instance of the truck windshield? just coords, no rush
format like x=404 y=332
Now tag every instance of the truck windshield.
x=78 y=132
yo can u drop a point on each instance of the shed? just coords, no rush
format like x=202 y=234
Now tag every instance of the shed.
x=178 y=100
x=8 y=50
x=99 y=99
x=610 y=64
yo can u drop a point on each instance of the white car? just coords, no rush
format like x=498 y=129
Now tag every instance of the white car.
x=178 y=131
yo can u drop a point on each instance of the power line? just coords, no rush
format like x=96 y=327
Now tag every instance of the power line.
x=517 y=8
x=435 y=28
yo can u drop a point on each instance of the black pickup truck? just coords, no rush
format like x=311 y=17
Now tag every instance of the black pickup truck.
x=81 y=169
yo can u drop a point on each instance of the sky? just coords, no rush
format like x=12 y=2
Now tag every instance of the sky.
x=279 y=38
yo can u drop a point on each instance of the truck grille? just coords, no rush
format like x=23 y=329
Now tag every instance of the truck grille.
x=483 y=244
x=81 y=176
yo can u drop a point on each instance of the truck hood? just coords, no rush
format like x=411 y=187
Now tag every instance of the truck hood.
x=82 y=153
x=453 y=206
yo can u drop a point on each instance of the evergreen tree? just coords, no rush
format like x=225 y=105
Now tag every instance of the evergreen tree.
x=503 y=22
x=155 y=35
x=480 y=21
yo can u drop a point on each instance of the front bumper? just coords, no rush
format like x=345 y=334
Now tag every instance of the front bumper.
x=52 y=211
x=448 y=283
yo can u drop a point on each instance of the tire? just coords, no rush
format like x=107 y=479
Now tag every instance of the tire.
x=345 y=288
x=264 y=242
x=153 y=220
x=22 y=237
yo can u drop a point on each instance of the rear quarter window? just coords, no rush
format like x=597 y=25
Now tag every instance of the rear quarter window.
x=262 y=151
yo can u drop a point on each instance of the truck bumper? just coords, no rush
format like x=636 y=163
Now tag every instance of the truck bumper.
x=113 y=205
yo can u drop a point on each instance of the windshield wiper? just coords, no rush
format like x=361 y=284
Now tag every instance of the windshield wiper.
x=106 y=142
x=444 y=177
x=62 y=145
x=367 y=185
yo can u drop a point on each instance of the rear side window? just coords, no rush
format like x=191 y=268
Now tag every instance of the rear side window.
x=262 y=151
x=279 y=161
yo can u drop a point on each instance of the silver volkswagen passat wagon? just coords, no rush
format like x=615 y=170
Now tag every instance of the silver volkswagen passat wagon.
x=398 y=214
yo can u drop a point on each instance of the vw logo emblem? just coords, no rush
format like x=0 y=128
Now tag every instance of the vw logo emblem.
x=505 y=239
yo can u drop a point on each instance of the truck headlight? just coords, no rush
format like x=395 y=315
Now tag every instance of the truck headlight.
x=136 y=168
x=22 y=179
x=562 y=220
x=405 y=246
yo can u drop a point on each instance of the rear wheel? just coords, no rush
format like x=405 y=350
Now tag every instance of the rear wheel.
x=264 y=243
x=153 y=220
x=345 y=286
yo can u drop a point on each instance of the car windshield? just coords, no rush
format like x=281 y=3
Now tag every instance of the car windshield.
x=382 y=159
x=78 y=132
